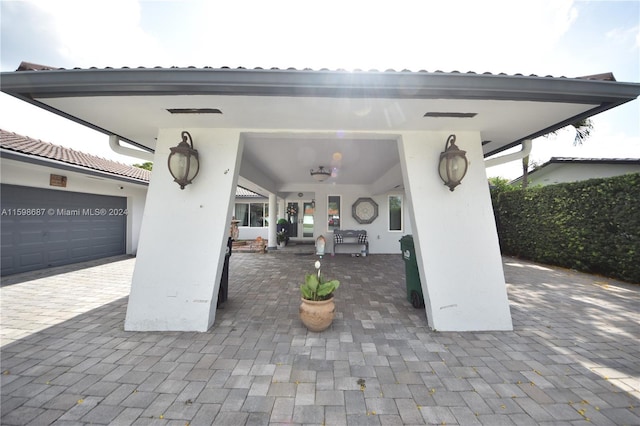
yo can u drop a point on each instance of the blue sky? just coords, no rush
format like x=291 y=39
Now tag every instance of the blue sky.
x=555 y=37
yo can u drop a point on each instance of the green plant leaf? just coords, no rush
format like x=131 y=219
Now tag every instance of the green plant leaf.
x=327 y=288
x=311 y=280
x=306 y=293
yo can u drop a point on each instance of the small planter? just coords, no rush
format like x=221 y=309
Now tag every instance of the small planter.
x=317 y=315
x=317 y=308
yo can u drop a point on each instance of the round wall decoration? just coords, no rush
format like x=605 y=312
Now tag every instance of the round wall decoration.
x=364 y=210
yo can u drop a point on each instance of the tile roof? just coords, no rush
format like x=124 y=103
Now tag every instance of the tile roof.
x=35 y=147
x=28 y=66
x=245 y=193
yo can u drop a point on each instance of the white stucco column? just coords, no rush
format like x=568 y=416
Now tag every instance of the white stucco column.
x=320 y=218
x=455 y=236
x=184 y=235
x=273 y=215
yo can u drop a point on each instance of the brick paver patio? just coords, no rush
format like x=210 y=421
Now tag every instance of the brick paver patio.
x=573 y=357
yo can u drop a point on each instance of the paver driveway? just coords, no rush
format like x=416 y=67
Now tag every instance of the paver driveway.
x=573 y=357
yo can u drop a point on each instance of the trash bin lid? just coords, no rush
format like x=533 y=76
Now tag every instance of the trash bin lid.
x=407 y=238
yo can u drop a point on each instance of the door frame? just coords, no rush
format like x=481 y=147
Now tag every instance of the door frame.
x=300 y=204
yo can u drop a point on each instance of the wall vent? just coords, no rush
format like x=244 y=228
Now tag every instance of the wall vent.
x=451 y=114
x=194 y=110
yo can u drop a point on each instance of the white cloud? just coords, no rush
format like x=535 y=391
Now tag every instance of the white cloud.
x=493 y=35
x=629 y=36
x=453 y=35
x=99 y=33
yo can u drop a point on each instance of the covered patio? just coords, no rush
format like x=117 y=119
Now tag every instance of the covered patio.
x=66 y=359
x=380 y=133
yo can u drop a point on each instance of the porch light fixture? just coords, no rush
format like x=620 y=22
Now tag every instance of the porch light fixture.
x=183 y=161
x=321 y=174
x=453 y=163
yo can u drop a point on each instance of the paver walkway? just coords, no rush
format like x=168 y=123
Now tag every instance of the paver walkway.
x=573 y=357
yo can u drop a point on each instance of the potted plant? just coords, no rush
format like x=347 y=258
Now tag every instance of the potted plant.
x=282 y=232
x=281 y=237
x=282 y=225
x=317 y=308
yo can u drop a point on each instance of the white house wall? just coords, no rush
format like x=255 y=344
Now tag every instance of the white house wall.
x=381 y=240
x=251 y=233
x=38 y=176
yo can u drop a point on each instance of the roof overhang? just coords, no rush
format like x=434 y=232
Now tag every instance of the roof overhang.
x=558 y=162
x=134 y=103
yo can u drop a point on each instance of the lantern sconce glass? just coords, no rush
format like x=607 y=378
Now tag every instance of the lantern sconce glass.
x=183 y=161
x=321 y=174
x=453 y=164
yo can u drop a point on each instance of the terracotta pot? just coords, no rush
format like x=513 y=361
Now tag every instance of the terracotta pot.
x=317 y=316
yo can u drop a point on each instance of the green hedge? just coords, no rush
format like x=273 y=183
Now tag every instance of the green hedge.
x=592 y=226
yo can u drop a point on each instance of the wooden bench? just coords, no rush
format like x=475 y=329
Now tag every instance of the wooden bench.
x=357 y=238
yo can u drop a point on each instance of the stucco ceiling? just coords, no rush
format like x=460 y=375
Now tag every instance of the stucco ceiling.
x=288 y=159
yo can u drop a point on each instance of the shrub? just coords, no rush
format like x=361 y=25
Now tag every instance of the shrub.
x=592 y=226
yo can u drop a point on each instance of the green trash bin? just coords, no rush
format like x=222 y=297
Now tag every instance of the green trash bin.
x=414 y=289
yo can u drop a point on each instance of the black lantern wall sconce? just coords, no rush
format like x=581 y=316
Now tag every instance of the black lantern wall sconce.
x=453 y=164
x=183 y=161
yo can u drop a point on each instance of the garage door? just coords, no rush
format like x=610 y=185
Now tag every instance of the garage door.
x=43 y=227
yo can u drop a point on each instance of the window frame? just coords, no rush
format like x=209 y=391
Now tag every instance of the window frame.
x=329 y=229
x=265 y=207
x=401 y=198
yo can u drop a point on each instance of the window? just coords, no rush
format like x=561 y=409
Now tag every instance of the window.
x=395 y=213
x=254 y=215
x=242 y=214
x=333 y=210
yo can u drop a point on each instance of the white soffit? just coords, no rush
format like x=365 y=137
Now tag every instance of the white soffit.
x=138 y=118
